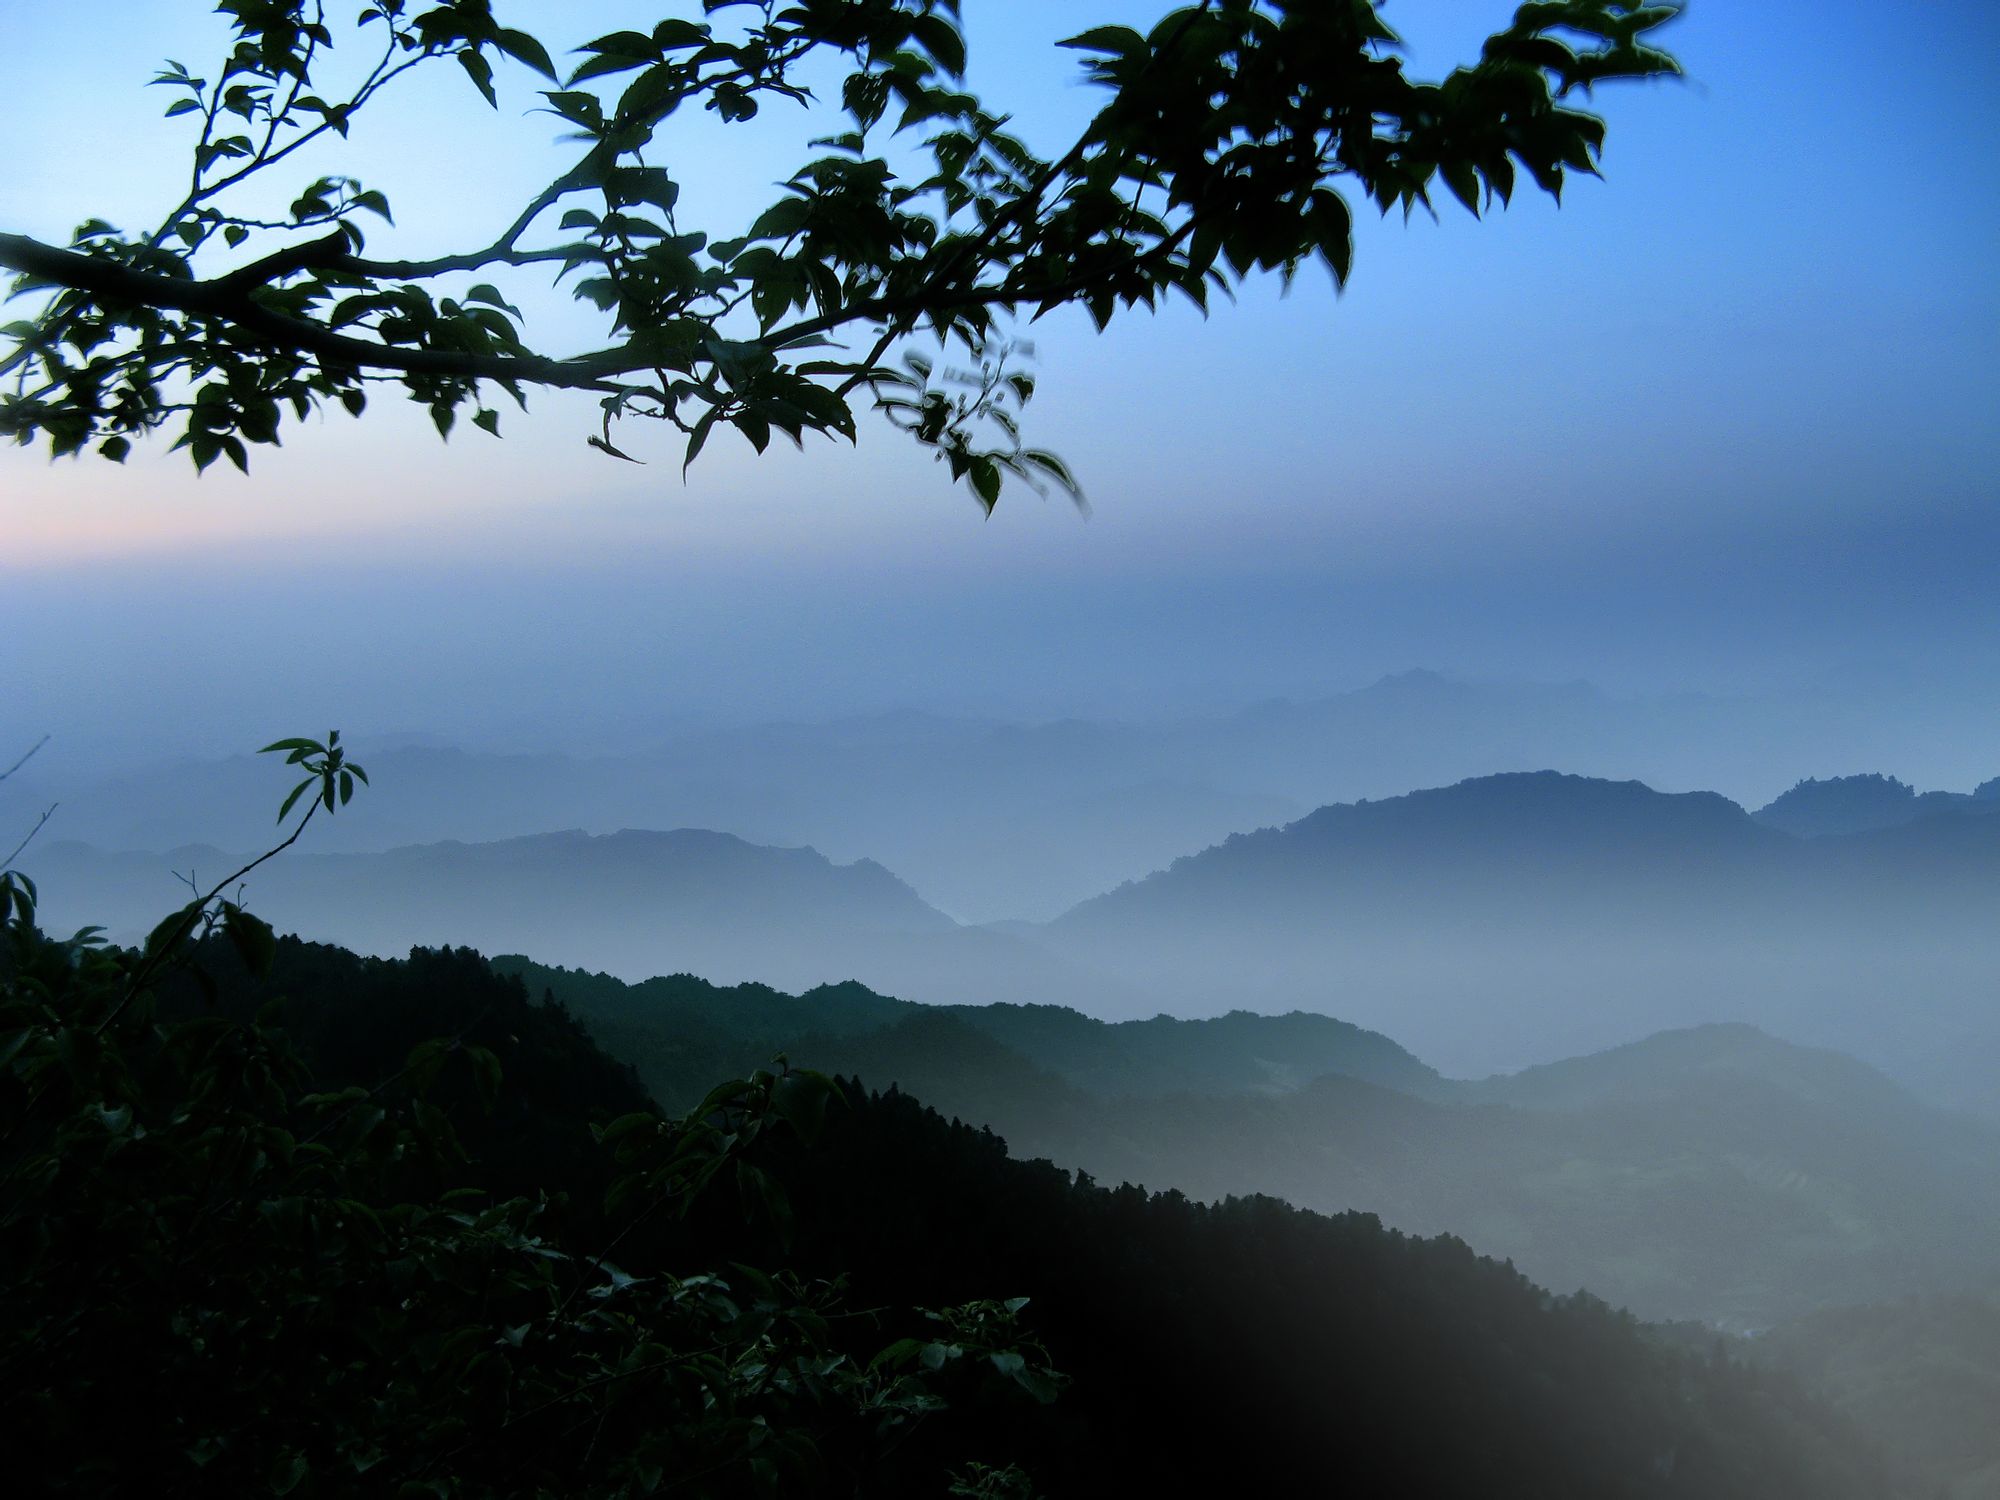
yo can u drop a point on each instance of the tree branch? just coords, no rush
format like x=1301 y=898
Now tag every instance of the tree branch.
x=26 y=756
x=40 y=823
x=313 y=255
x=575 y=180
x=218 y=299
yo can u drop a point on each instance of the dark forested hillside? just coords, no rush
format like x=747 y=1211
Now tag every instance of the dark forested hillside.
x=1717 y=1173
x=685 y=1027
x=1288 y=1352
x=1283 y=1350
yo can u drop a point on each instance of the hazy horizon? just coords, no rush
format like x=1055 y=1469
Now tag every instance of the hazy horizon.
x=1719 y=424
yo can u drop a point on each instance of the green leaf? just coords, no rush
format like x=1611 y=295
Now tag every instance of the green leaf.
x=800 y=1099
x=1464 y=184
x=490 y=296
x=1054 y=467
x=289 y=1468
x=755 y=428
x=942 y=40
x=605 y=445
x=374 y=201
x=295 y=794
x=899 y=1353
x=524 y=48
x=175 y=928
x=253 y=940
x=603 y=65
x=1037 y=1383
x=481 y=73
x=985 y=475
x=486 y=1074
x=698 y=439
x=1117 y=40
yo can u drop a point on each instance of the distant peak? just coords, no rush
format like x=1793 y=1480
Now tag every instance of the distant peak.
x=1417 y=680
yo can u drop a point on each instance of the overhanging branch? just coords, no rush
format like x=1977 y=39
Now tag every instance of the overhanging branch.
x=232 y=303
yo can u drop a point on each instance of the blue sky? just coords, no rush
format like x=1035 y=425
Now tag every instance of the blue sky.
x=1726 y=420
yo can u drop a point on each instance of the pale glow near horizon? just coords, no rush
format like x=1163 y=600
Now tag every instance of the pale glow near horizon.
x=1729 y=416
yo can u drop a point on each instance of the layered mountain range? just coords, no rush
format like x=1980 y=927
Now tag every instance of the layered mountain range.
x=993 y=820
x=1506 y=919
x=1491 y=925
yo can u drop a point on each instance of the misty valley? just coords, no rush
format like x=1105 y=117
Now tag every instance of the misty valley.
x=999 y=750
x=1692 y=1094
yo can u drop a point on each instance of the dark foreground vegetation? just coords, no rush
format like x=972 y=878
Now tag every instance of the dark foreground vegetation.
x=299 y=1247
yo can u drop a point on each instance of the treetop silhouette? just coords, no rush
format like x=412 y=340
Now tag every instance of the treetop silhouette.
x=893 y=272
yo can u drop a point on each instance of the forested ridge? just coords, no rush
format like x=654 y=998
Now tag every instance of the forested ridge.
x=1714 y=1173
x=1243 y=1345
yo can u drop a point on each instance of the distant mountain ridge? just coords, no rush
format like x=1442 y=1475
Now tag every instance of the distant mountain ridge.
x=990 y=820
x=637 y=903
x=1859 y=804
x=1508 y=919
x=1673 y=1063
x=1506 y=820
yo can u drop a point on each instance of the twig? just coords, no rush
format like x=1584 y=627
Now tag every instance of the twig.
x=30 y=755
x=8 y=862
x=189 y=918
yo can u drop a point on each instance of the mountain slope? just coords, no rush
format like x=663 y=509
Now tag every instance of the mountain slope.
x=638 y=903
x=1920 y=1376
x=1510 y=919
x=1211 y=1349
x=689 y=1028
x=1717 y=1174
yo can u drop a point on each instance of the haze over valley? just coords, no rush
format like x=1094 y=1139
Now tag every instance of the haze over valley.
x=1492 y=924
x=1331 y=823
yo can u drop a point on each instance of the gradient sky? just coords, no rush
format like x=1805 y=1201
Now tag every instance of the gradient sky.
x=1726 y=421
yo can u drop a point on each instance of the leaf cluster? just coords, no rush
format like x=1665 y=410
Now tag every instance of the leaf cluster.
x=1233 y=138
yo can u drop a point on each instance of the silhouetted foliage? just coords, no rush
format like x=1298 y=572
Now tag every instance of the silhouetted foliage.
x=1236 y=1348
x=227 y=1270
x=1227 y=131
x=277 y=1208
